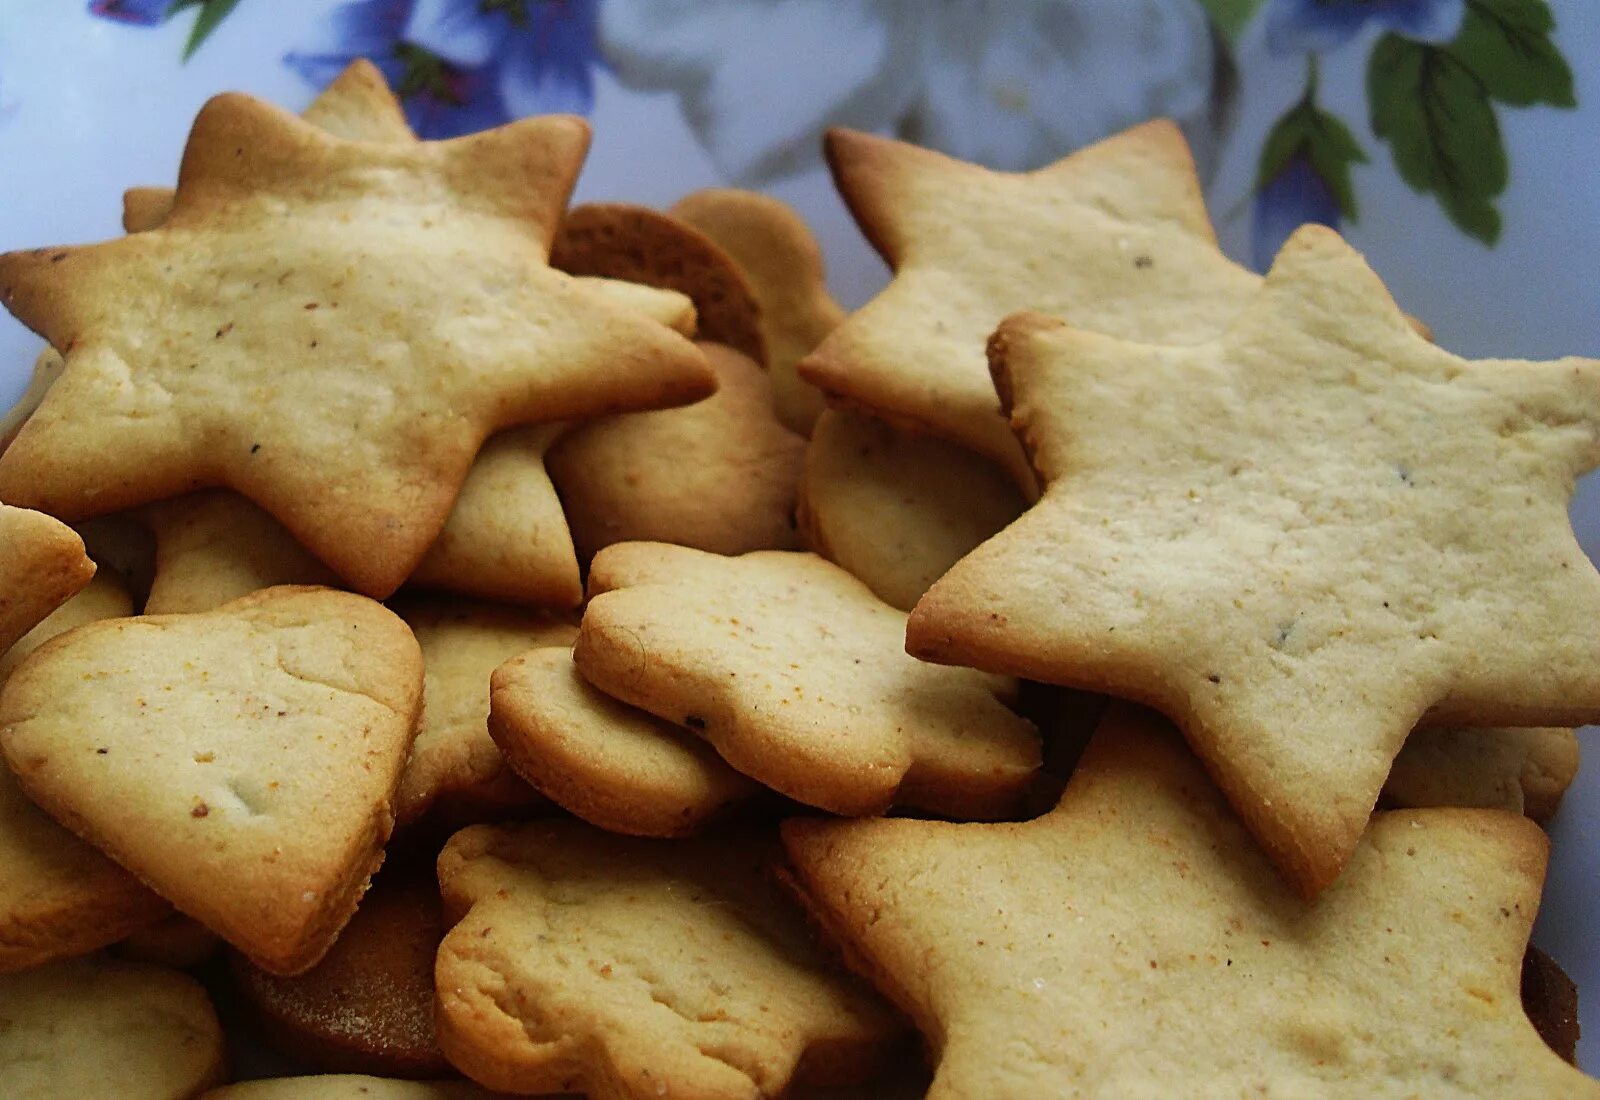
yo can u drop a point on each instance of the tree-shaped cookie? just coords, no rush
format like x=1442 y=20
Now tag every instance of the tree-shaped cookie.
x=797 y=675
x=1115 y=238
x=243 y=761
x=1298 y=540
x=627 y=968
x=332 y=328
x=1134 y=942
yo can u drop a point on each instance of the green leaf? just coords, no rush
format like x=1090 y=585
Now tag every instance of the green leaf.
x=1441 y=129
x=1231 y=16
x=1327 y=143
x=1506 y=44
x=212 y=13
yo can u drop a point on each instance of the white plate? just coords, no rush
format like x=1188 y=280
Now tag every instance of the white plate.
x=90 y=104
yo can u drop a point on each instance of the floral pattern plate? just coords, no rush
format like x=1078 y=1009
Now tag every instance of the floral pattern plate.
x=1456 y=142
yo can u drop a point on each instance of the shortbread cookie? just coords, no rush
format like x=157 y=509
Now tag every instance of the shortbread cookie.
x=617 y=767
x=367 y=1007
x=105 y=597
x=507 y=537
x=720 y=475
x=242 y=761
x=797 y=674
x=453 y=755
x=1115 y=238
x=782 y=262
x=59 y=896
x=1134 y=942
x=46 y=369
x=895 y=510
x=1297 y=540
x=349 y=1087
x=98 y=1027
x=347 y=375
x=42 y=564
x=214 y=547
x=177 y=941
x=621 y=967
x=641 y=245
x=1521 y=770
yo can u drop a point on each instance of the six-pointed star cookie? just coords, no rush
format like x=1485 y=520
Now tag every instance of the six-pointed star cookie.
x=1133 y=942
x=1115 y=238
x=330 y=327
x=796 y=673
x=1297 y=540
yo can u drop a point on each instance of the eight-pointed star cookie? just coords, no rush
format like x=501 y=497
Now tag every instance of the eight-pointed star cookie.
x=1298 y=540
x=332 y=328
x=1115 y=238
x=797 y=675
x=1133 y=942
x=628 y=968
x=242 y=761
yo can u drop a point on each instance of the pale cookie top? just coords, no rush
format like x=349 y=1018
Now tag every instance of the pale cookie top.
x=1297 y=540
x=1115 y=238
x=638 y=968
x=1134 y=942
x=99 y=1027
x=613 y=765
x=797 y=674
x=241 y=761
x=462 y=644
x=303 y=329
x=42 y=563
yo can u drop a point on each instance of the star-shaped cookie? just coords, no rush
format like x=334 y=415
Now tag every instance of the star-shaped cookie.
x=1298 y=540
x=332 y=328
x=1115 y=238
x=1133 y=942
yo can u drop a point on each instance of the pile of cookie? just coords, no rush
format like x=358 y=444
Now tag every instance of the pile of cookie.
x=755 y=700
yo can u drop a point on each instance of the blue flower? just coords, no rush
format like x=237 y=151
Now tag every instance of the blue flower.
x=441 y=99
x=143 y=13
x=1318 y=26
x=1290 y=199
x=542 y=51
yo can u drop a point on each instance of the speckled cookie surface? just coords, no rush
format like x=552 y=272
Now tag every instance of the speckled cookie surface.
x=797 y=675
x=613 y=765
x=243 y=761
x=1297 y=540
x=1134 y=942
x=663 y=968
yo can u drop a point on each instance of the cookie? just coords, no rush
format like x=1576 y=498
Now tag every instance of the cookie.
x=367 y=1007
x=1296 y=540
x=896 y=510
x=98 y=1027
x=620 y=967
x=242 y=761
x=46 y=369
x=348 y=1087
x=215 y=546
x=345 y=376
x=797 y=675
x=105 y=597
x=59 y=897
x=453 y=757
x=1135 y=942
x=782 y=262
x=718 y=475
x=617 y=767
x=42 y=564
x=1115 y=238
x=641 y=245
x=1521 y=770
